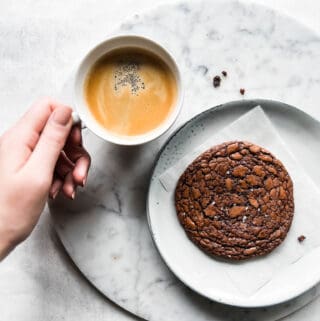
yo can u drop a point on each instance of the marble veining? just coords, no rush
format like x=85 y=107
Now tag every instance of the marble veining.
x=105 y=229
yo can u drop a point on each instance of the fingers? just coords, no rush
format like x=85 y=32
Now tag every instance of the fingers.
x=81 y=169
x=25 y=134
x=51 y=141
x=66 y=186
x=37 y=116
x=72 y=166
x=63 y=180
x=69 y=186
x=35 y=119
x=55 y=187
x=63 y=166
x=78 y=155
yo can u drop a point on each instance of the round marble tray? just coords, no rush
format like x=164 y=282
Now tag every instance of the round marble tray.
x=105 y=229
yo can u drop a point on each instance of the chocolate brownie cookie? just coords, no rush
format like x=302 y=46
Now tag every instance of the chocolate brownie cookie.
x=235 y=201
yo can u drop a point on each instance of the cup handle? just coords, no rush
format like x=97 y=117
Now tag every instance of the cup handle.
x=75 y=118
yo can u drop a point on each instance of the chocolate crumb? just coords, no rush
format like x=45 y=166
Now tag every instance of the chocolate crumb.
x=216 y=81
x=224 y=73
x=242 y=91
x=301 y=238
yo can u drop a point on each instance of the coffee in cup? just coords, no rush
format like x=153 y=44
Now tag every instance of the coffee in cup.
x=130 y=91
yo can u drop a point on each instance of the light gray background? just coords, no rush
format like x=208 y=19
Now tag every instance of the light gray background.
x=39 y=46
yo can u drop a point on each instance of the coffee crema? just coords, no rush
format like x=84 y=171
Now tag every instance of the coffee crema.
x=130 y=91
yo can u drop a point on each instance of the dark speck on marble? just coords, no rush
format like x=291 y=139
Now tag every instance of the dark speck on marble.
x=202 y=69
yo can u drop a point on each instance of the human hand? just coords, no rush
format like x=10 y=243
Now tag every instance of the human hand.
x=40 y=156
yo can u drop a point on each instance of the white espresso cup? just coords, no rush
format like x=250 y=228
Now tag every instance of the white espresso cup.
x=82 y=110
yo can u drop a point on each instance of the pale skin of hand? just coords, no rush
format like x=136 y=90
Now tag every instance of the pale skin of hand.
x=40 y=156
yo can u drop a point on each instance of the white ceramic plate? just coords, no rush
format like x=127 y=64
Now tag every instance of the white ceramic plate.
x=198 y=271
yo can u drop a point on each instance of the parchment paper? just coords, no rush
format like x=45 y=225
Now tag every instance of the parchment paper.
x=251 y=275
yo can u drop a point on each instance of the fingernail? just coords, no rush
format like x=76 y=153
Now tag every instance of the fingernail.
x=62 y=116
x=73 y=195
x=84 y=181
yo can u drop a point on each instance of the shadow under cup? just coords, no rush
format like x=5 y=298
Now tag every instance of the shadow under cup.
x=92 y=58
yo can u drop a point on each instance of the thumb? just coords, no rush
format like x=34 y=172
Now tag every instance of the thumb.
x=52 y=139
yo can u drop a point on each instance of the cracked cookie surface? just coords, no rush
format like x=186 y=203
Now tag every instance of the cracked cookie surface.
x=235 y=201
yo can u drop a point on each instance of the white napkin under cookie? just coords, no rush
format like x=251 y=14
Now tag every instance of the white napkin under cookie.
x=251 y=275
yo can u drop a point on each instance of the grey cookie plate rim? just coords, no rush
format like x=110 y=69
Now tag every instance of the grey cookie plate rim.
x=246 y=104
